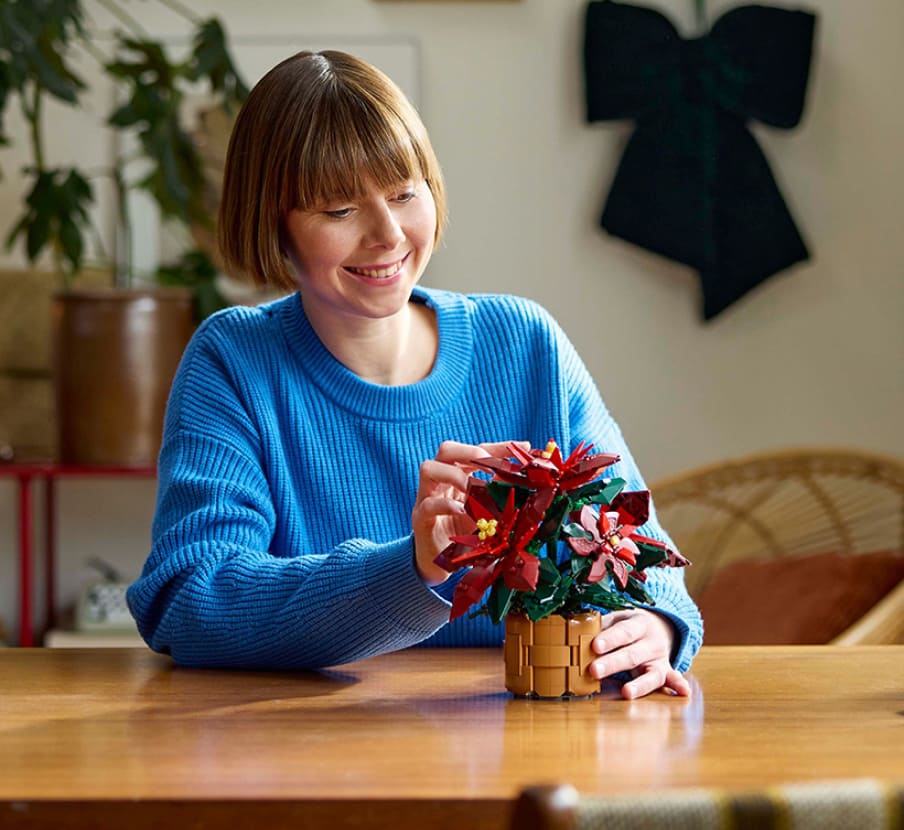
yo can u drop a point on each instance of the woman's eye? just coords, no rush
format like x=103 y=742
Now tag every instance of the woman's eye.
x=405 y=196
x=339 y=213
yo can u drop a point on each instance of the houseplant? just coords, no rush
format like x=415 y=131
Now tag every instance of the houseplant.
x=553 y=541
x=41 y=42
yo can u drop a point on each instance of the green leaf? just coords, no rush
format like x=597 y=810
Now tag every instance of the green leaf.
x=211 y=59
x=545 y=592
x=576 y=531
x=549 y=573
x=37 y=234
x=5 y=89
x=597 y=594
x=635 y=590
x=195 y=270
x=580 y=565
x=79 y=188
x=145 y=62
x=52 y=73
x=176 y=179
x=649 y=556
x=555 y=515
x=499 y=493
x=597 y=492
x=124 y=116
x=36 y=37
x=71 y=243
x=56 y=215
x=535 y=610
x=499 y=601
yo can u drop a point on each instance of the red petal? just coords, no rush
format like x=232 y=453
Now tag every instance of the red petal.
x=445 y=557
x=523 y=576
x=589 y=520
x=620 y=572
x=524 y=456
x=627 y=551
x=583 y=547
x=597 y=570
x=579 y=452
x=607 y=523
x=531 y=514
x=586 y=470
x=472 y=540
x=480 y=505
x=633 y=507
x=470 y=589
x=539 y=478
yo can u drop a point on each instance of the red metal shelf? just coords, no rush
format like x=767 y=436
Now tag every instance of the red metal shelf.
x=49 y=473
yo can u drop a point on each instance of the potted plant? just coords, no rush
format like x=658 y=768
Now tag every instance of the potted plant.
x=110 y=396
x=553 y=541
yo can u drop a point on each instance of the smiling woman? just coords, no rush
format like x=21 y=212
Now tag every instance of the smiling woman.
x=297 y=147
x=317 y=449
x=361 y=261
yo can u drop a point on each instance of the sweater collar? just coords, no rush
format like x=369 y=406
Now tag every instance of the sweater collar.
x=388 y=403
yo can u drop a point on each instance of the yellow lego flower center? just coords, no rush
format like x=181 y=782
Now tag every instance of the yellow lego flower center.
x=550 y=449
x=485 y=528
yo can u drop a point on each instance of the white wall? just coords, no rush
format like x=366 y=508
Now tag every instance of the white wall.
x=812 y=357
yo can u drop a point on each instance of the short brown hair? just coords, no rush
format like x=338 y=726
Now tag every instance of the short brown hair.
x=311 y=131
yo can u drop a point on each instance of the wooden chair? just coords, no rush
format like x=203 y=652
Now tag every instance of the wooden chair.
x=793 y=504
x=862 y=804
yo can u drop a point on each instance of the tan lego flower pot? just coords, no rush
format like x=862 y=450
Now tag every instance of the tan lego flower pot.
x=550 y=658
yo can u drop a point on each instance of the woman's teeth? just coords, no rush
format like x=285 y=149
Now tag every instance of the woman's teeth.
x=378 y=273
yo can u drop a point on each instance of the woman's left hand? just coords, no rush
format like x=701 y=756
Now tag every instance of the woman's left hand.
x=639 y=642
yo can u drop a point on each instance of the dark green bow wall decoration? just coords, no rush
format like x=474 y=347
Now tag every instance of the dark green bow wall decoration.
x=693 y=184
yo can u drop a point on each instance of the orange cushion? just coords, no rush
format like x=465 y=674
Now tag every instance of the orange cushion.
x=806 y=599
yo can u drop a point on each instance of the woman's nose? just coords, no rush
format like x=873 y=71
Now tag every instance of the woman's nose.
x=384 y=229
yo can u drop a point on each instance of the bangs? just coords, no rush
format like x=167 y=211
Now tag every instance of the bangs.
x=352 y=143
x=318 y=128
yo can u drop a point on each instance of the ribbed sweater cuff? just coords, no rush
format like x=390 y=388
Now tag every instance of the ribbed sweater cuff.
x=681 y=611
x=399 y=592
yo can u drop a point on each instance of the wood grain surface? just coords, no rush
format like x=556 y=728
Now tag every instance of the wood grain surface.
x=421 y=738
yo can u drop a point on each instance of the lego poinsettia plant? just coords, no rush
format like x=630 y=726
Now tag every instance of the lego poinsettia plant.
x=552 y=536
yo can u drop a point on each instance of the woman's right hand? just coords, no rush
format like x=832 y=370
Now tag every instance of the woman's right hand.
x=439 y=510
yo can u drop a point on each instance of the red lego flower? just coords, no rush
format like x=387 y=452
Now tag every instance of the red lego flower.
x=535 y=500
x=541 y=469
x=496 y=548
x=611 y=532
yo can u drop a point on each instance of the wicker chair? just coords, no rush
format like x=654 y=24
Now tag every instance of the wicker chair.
x=791 y=503
x=865 y=804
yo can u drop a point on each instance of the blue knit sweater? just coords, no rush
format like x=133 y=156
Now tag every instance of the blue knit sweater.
x=282 y=536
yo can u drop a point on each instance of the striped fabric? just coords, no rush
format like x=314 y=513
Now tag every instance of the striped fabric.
x=835 y=805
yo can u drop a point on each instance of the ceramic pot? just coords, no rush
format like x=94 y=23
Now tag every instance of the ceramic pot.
x=115 y=355
x=549 y=658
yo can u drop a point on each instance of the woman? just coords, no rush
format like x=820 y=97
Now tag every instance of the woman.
x=317 y=448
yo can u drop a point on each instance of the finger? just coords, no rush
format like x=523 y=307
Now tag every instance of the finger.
x=677 y=682
x=432 y=507
x=454 y=452
x=624 y=659
x=623 y=633
x=435 y=473
x=613 y=617
x=500 y=449
x=651 y=678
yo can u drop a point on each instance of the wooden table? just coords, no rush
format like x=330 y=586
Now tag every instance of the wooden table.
x=422 y=738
